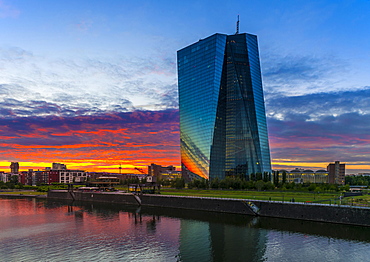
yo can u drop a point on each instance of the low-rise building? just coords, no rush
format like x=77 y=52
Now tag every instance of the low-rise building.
x=4 y=177
x=68 y=176
x=170 y=175
x=121 y=177
x=162 y=172
x=300 y=175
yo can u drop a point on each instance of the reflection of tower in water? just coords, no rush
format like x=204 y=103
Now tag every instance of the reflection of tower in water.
x=215 y=241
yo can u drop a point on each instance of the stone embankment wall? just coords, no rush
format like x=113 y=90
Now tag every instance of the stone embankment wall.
x=316 y=212
x=121 y=198
x=302 y=211
x=236 y=206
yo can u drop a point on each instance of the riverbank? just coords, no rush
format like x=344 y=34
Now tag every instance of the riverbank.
x=302 y=211
x=275 y=195
x=23 y=195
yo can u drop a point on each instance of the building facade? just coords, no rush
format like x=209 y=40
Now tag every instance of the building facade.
x=303 y=176
x=222 y=111
x=336 y=172
x=68 y=176
x=14 y=167
x=162 y=172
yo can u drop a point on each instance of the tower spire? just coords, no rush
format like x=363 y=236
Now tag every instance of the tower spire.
x=237 y=26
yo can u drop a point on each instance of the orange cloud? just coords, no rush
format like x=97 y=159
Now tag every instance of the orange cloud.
x=94 y=143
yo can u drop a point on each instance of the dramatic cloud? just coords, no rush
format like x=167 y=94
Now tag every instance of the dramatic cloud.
x=320 y=128
x=35 y=85
x=94 y=142
x=312 y=106
x=298 y=75
x=99 y=112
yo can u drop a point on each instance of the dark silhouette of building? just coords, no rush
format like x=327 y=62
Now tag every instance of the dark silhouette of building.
x=58 y=166
x=14 y=167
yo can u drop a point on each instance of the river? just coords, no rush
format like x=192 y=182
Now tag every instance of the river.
x=44 y=230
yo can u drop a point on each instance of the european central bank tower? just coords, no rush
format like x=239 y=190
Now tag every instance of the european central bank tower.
x=222 y=113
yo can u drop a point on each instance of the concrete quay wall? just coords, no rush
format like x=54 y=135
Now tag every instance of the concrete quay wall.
x=301 y=211
x=119 y=198
x=235 y=206
x=316 y=212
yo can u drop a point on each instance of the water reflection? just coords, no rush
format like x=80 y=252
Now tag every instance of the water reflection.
x=41 y=230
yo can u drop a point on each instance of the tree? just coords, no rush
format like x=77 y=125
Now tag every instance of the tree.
x=203 y=184
x=223 y=184
x=14 y=179
x=178 y=183
x=312 y=187
x=269 y=186
x=259 y=185
x=284 y=177
x=9 y=185
x=276 y=178
x=344 y=188
x=215 y=183
x=196 y=183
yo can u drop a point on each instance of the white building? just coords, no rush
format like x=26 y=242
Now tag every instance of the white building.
x=4 y=177
x=71 y=176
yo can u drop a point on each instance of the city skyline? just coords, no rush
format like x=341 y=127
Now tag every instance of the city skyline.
x=93 y=85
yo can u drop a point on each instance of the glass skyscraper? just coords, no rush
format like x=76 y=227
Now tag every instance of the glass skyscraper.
x=222 y=112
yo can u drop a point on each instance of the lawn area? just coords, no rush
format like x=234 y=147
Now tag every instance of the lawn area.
x=258 y=195
x=363 y=200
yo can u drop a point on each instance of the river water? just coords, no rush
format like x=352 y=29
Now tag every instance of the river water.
x=44 y=230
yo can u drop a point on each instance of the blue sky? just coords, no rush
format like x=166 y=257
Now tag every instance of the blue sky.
x=70 y=59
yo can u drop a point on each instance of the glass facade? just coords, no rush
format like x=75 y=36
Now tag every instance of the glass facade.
x=222 y=112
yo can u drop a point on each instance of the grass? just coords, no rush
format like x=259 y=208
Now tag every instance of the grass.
x=363 y=200
x=326 y=197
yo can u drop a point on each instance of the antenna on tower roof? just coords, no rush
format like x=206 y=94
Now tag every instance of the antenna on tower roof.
x=237 y=26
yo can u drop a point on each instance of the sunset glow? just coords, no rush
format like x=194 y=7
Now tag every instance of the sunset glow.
x=94 y=86
x=100 y=143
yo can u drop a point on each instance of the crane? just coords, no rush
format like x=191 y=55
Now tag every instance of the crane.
x=140 y=170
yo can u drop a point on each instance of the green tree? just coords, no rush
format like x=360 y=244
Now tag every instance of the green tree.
x=196 y=183
x=178 y=183
x=284 y=177
x=215 y=183
x=9 y=185
x=276 y=178
x=259 y=185
x=266 y=177
x=223 y=184
x=268 y=186
x=203 y=184
x=312 y=187
x=14 y=179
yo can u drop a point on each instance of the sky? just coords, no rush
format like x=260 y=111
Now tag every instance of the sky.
x=93 y=84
